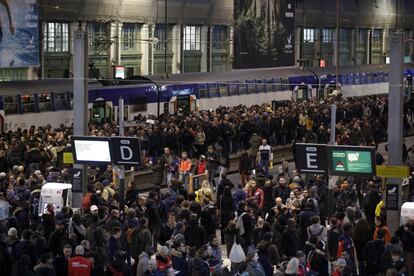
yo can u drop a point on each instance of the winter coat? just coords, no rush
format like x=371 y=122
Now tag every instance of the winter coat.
x=199 y=267
x=179 y=262
x=319 y=231
x=142 y=266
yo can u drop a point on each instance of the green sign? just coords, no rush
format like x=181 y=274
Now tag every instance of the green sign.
x=352 y=161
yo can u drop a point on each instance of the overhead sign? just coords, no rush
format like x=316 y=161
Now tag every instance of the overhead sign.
x=311 y=158
x=349 y=160
x=125 y=150
x=393 y=171
x=19 y=33
x=91 y=150
x=392 y=197
x=120 y=72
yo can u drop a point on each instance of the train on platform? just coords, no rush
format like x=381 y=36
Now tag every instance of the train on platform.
x=50 y=101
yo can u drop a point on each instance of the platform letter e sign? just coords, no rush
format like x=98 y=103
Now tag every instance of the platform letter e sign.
x=311 y=158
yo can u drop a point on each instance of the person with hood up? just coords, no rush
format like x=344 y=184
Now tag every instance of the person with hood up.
x=239 y=195
x=144 y=260
x=179 y=259
x=200 y=265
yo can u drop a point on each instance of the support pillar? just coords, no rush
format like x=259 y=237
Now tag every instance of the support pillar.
x=80 y=102
x=395 y=119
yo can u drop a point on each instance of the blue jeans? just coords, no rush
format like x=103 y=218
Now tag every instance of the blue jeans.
x=264 y=165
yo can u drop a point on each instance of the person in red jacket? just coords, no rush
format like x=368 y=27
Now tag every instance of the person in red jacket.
x=79 y=265
x=163 y=260
x=254 y=191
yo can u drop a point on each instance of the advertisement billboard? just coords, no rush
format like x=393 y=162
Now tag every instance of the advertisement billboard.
x=348 y=160
x=264 y=33
x=19 y=33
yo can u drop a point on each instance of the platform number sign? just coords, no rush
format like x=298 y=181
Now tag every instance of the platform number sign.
x=125 y=150
x=311 y=158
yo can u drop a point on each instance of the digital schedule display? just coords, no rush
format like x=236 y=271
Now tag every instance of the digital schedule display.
x=91 y=150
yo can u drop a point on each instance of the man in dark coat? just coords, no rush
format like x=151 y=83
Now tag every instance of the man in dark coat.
x=195 y=234
x=373 y=252
x=25 y=247
x=60 y=263
x=153 y=214
x=291 y=242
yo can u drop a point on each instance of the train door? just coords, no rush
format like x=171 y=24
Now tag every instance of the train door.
x=301 y=92
x=186 y=104
x=102 y=111
x=331 y=90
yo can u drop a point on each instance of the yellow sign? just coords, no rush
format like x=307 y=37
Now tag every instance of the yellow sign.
x=67 y=158
x=393 y=171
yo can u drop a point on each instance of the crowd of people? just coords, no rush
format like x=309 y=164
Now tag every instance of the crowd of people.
x=267 y=223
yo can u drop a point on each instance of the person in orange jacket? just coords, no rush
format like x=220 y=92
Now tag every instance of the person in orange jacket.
x=79 y=265
x=184 y=168
x=381 y=224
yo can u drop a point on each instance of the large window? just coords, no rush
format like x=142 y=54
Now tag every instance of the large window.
x=309 y=35
x=28 y=103
x=219 y=37
x=327 y=35
x=98 y=37
x=11 y=105
x=361 y=36
x=56 y=37
x=160 y=34
x=376 y=38
x=192 y=37
x=45 y=102
x=129 y=36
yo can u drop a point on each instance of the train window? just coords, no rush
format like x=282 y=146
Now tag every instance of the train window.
x=243 y=88
x=251 y=87
x=28 y=103
x=60 y=101
x=233 y=88
x=138 y=104
x=213 y=90
x=11 y=105
x=45 y=102
x=223 y=90
x=261 y=88
x=202 y=91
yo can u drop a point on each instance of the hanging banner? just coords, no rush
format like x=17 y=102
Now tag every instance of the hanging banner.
x=264 y=33
x=19 y=33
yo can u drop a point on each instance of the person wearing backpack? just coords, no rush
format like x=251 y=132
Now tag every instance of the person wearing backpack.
x=373 y=252
x=316 y=229
x=118 y=267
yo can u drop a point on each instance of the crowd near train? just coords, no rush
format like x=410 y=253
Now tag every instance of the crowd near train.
x=26 y=103
x=266 y=219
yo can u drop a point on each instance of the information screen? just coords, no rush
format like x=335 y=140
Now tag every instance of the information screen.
x=91 y=150
x=352 y=161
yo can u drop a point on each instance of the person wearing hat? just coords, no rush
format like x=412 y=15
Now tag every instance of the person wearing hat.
x=319 y=260
x=79 y=265
x=340 y=265
x=163 y=259
x=8 y=247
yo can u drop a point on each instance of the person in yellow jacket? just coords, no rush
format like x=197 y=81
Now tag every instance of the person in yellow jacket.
x=379 y=207
x=204 y=192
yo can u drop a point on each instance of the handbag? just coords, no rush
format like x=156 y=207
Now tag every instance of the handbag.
x=237 y=254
